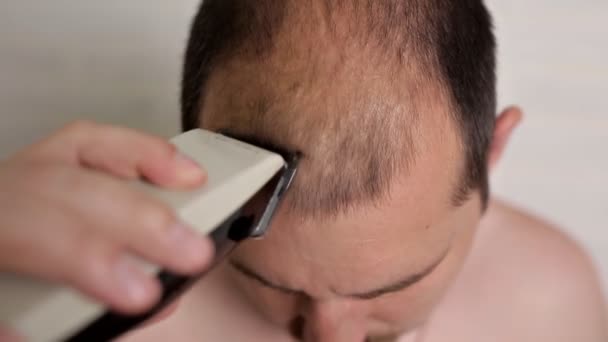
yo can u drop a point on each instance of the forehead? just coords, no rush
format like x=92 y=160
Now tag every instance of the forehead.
x=399 y=236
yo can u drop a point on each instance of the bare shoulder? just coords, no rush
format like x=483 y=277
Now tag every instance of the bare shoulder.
x=211 y=311
x=543 y=278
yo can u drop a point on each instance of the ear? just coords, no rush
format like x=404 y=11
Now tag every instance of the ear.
x=506 y=123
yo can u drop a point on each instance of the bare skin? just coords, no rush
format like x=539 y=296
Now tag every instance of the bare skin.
x=501 y=276
x=469 y=276
x=525 y=281
x=547 y=291
x=412 y=266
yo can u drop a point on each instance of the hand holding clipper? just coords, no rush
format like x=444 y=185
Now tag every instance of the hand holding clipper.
x=99 y=165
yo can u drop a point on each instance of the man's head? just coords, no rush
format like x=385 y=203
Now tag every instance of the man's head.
x=391 y=104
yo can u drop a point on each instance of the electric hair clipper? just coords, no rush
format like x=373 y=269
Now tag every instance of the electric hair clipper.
x=245 y=186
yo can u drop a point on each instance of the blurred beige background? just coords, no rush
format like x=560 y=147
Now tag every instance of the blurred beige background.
x=119 y=62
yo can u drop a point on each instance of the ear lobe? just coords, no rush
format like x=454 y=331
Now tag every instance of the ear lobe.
x=506 y=123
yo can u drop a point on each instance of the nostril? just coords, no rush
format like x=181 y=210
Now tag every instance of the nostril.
x=296 y=327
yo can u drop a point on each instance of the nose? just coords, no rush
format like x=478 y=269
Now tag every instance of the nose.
x=330 y=321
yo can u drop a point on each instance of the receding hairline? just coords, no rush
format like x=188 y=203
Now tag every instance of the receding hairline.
x=236 y=123
x=270 y=20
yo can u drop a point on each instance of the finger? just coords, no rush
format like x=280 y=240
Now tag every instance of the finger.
x=65 y=253
x=85 y=220
x=133 y=220
x=113 y=277
x=127 y=153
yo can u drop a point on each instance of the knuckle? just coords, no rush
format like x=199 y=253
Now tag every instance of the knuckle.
x=158 y=142
x=73 y=182
x=160 y=146
x=93 y=262
x=46 y=175
x=79 y=126
x=155 y=217
x=74 y=130
x=73 y=270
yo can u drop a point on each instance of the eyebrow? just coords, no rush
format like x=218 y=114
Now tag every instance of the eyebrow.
x=367 y=295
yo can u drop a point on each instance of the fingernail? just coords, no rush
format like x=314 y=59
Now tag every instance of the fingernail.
x=188 y=169
x=189 y=244
x=132 y=281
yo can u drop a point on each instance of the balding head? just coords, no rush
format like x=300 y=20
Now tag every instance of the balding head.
x=361 y=88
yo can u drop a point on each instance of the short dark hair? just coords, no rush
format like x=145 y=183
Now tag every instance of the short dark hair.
x=451 y=40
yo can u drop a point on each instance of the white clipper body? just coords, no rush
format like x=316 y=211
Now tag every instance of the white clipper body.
x=236 y=172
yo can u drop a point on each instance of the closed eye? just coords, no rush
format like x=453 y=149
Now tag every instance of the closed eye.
x=400 y=285
x=245 y=271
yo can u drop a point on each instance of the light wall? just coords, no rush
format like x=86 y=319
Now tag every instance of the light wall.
x=553 y=62
x=119 y=62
